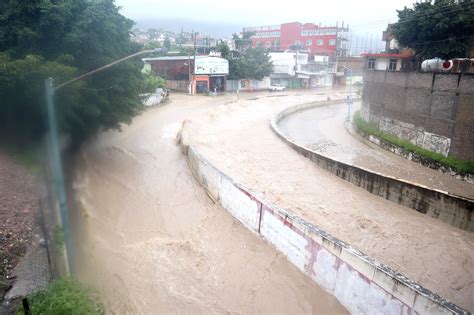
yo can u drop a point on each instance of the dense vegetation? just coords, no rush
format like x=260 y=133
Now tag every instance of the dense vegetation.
x=461 y=166
x=440 y=28
x=63 y=39
x=246 y=62
x=64 y=296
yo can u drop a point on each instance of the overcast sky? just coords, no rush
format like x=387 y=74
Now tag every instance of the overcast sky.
x=363 y=16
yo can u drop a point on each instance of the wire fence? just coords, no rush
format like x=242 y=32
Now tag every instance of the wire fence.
x=43 y=257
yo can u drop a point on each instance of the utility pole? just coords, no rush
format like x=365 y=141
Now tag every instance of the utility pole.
x=194 y=70
x=371 y=42
x=189 y=74
x=58 y=174
x=337 y=42
x=356 y=45
x=349 y=97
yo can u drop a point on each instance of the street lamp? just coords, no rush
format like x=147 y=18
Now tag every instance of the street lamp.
x=349 y=98
x=57 y=167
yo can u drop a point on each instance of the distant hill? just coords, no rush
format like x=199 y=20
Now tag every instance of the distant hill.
x=215 y=29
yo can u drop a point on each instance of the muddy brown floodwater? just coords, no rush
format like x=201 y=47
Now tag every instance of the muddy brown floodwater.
x=238 y=139
x=151 y=241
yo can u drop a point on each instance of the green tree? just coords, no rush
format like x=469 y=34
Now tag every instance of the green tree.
x=246 y=62
x=62 y=39
x=253 y=64
x=443 y=28
x=167 y=43
x=152 y=45
x=154 y=82
x=244 y=42
x=224 y=49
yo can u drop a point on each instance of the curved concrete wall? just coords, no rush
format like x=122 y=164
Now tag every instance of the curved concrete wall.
x=361 y=284
x=455 y=210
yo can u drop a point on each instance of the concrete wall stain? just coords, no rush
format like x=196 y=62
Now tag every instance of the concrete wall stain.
x=432 y=110
x=330 y=262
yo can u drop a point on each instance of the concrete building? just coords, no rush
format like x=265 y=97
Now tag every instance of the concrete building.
x=384 y=61
x=183 y=73
x=331 y=41
x=394 y=58
x=355 y=75
x=297 y=70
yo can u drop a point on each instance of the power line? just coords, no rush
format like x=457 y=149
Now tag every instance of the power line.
x=434 y=41
x=441 y=40
x=411 y=18
x=418 y=14
x=447 y=9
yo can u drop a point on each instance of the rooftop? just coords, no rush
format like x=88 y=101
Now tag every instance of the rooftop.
x=177 y=58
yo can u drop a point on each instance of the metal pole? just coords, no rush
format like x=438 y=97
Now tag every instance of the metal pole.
x=350 y=98
x=57 y=168
x=189 y=74
x=194 y=58
x=105 y=67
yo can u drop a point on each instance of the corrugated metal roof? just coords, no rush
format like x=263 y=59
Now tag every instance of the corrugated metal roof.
x=385 y=55
x=178 y=58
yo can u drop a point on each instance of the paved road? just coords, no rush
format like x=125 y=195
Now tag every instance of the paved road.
x=323 y=129
x=151 y=241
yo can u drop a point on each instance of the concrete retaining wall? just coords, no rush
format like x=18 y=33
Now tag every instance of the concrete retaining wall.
x=432 y=110
x=455 y=210
x=360 y=283
x=414 y=156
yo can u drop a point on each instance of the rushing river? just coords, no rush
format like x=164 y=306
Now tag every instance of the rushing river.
x=151 y=241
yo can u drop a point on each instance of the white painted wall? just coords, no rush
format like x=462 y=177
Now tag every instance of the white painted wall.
x=381 y=63
x=284 y=62
x=356 y=281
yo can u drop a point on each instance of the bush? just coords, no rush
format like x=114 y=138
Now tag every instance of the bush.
x=64 y=296
x=460 y=166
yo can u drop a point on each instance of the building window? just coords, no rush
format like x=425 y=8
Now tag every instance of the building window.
x=332 y=42
x=309 y=42
x=268 y=44
x=320 y=42
x=371 y=64
x=259 y=44
x=392 y=65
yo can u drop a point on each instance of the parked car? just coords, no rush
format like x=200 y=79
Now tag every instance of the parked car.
x=276 y=87
x=159 y=96
x=165 y=94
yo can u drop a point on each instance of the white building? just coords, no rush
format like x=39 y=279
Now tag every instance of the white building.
x=383 y=61
x=295 y=70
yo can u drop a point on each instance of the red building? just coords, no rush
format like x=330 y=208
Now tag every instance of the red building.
x=317 y=40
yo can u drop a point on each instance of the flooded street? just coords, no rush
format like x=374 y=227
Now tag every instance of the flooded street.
x=323 y=130
x=151 y=241
x=238 y=139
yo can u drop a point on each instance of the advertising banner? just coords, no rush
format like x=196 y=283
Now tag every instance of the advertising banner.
x=211 y=65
